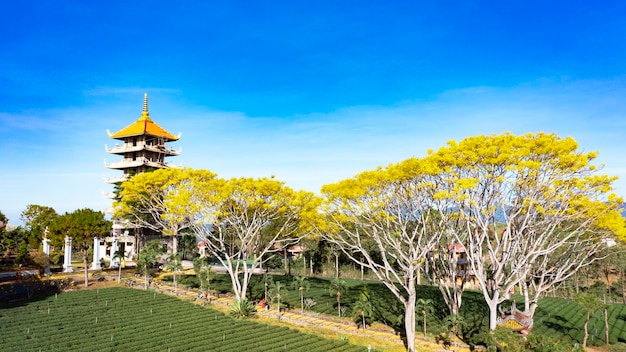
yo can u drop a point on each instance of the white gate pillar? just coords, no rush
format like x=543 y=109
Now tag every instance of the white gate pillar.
x=115 y=262
x=95 y=265
x=67 y=258
x=46 y=251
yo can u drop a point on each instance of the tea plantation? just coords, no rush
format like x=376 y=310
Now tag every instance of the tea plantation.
x=120 y=319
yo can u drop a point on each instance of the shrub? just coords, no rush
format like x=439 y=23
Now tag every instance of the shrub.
x=543 y=343
x=507 y=340
x=242 y=309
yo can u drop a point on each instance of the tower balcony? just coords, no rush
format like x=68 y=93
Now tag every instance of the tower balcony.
x=116 y=179
x=127 y=148
x=108 y=195
x=141 y=161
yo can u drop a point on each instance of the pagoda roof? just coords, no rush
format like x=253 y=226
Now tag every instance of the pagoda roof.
x=143 y=126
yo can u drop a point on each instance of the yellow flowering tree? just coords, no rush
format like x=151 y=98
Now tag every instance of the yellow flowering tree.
x=520 y=200
x=151 y=200
x=387 y=220
x=241 y=220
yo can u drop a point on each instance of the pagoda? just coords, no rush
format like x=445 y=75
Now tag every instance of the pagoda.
x=144 y=148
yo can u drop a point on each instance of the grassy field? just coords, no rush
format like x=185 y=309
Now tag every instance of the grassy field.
x=120 y=319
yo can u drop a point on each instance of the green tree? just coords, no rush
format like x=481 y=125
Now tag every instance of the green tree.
x=203 y=272
x=147 y=256
x=3 y=221
x=337 y=288
x=425 y=307
x=362 y=309
x=301 y=284
x=4 y=243
x=82 y=226
x=37 y=218
x=175 y=266
x=454 y=321
x=120 y=255
x=186 y=246
x=590 y=304
x=268 y=281
x=276 y=291
x=10 y=240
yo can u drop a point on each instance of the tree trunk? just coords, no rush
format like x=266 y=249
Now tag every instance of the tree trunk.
x=119 y=274
x=532 y=308
x=493 y=310
x=424 y=323
x=409 y=322
x=311 y=264
x=339 y=305
x=586 y=331
x=419 y=275
x=362 y=272
x=606 y=326
x=304 y=264
x=623 y=288
x=526 y=298
x=336 y=265
x=86 y=268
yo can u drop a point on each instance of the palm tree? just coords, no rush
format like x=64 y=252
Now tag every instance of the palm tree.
x=147 y=256
x=267 y=282
x=276 y=289
x=301 y=284
x=337 y=288
x=362 y=309
x=175 y=266
x=119 y=254
x=425 y=306
x=454 y=322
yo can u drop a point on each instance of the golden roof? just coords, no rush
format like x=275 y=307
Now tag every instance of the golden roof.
x=143 y=125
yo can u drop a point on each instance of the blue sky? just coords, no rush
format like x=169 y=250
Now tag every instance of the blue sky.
x=311 y=92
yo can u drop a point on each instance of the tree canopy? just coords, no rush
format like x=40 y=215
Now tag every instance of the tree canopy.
x=151 y=199
x=36 y=218
x=82 y=226
x=241 y=220
x=508 y=202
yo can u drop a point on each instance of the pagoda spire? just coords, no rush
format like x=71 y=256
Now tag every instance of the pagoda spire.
x=145 y=113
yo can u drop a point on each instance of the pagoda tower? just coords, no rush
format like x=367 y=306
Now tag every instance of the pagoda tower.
x=144 y=148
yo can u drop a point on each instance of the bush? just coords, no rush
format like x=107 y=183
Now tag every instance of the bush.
x=507 y=340
x=544 y=343
x=242 y=309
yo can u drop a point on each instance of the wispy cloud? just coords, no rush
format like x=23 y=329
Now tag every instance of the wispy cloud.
x=62 y=165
